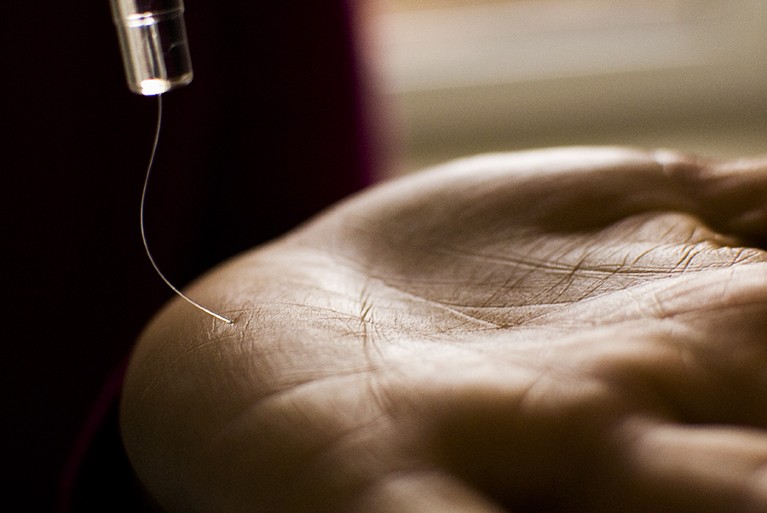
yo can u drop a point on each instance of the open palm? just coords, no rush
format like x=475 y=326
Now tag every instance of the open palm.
x=571 y=330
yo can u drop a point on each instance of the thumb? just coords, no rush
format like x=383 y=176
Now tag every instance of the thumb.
x=731 y=195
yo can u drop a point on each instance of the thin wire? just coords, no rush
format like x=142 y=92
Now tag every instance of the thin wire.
x=143 y=232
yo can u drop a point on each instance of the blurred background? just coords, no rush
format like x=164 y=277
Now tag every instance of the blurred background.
x=467 y=76
x=294 y=106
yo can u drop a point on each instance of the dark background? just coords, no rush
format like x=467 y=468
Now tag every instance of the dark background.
x=271 y=130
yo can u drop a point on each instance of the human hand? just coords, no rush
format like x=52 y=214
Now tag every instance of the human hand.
x=571 y=330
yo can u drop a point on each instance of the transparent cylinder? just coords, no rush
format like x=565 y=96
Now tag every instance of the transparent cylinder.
x=153 y=44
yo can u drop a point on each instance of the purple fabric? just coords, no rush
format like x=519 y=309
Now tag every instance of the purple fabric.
x=94 y=422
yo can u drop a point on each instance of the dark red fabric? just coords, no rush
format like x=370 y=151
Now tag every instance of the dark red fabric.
x=270 y=131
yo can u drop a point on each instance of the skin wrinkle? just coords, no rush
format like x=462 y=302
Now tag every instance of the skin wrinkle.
x=569 y=277
x=571 y=270
x=292 y=386
x=158 y=380
x=722 y=285
x=745 y=256
x=580 y=267
x=380 y=396
x=384 y=406
x=688 y=255
x=450 y=297
x=366 y=320
x=511 y=283
x=554 y=266
x=256 y=405
x=440 y=305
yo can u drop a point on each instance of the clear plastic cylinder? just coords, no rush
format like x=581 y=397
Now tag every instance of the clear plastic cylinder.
x=153 y=43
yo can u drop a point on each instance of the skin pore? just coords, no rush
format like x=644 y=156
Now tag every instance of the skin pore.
x=566 y=330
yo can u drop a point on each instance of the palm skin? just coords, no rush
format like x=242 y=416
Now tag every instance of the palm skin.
x=570 y=330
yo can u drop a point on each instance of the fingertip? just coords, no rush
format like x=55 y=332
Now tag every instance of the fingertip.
x=733 y=195
x=699 y=468
x=425 y=491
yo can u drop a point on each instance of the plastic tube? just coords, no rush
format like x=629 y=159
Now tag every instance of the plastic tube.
x=153 y=44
